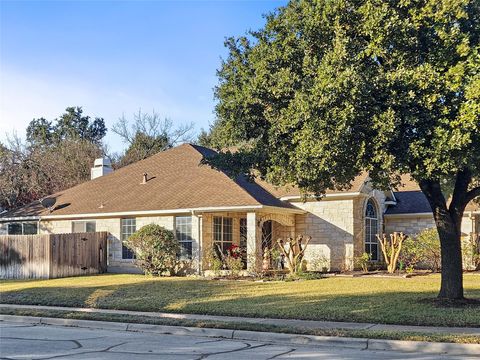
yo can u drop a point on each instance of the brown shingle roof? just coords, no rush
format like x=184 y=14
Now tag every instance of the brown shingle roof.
x=177 y=180
x=410 y=199
x=281 y=191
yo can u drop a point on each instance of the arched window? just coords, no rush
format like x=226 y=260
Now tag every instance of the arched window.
x=371 y=230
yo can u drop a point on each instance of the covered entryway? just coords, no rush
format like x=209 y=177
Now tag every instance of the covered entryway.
x=255 y=232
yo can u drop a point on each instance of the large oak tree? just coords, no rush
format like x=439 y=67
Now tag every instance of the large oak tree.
x=330 y=88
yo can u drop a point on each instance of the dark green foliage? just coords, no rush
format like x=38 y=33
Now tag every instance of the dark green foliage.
x=143 y=146
x=155 y=248
x=331 y=88
x=72 y=125
x=422 y=251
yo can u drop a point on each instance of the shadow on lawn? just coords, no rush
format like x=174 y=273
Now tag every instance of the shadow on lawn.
x=224 y=298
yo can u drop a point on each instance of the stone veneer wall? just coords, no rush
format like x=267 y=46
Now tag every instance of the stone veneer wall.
x=112 y=226
x=280 y=231
x=330 y=223
x=408 y=225
x=411 y=225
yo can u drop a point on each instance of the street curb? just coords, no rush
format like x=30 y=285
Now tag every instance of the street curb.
x=424 y=347
x=298 y=339
x=269 y=337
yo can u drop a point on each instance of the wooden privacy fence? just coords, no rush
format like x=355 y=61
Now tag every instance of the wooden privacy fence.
x=52 y=256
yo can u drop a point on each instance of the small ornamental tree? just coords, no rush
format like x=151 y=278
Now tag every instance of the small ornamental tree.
x=156 y=249
x=293 y=251
x=330 y=88
x=391 y=248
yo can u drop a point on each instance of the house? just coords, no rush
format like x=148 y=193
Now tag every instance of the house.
x=204 y=206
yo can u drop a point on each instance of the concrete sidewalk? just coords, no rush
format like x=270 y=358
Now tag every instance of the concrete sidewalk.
x=306 y=324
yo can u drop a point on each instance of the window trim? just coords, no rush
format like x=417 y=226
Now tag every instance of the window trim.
x=367 y=235
x=124 y=249
x=189 y=254
x=222 y=240
x=22 y=223
x=84 y=225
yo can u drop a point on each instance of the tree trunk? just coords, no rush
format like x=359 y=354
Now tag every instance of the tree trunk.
x=448 y=222
x=451 y=257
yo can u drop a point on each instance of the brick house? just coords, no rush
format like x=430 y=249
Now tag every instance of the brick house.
x=204 y=206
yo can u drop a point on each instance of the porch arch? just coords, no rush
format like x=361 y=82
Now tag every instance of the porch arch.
x=282 y=219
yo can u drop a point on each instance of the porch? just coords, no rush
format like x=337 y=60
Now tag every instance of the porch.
x=254 y=233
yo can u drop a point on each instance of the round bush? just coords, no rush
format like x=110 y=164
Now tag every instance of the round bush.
x=155 y=249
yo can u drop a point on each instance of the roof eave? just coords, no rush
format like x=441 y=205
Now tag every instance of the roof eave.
x=340 y=195
x=409 y=215
x=20 y=218
x=155 y=212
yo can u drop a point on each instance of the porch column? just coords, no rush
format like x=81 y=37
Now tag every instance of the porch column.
x=196 y=243
x=254 y=238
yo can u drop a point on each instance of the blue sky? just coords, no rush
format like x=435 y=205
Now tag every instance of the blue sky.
x=116 y=57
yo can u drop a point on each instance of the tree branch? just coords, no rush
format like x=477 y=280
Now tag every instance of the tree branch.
x=472 y=194
x=462 y=181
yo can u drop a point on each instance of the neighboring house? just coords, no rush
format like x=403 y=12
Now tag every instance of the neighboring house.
x=204 y=206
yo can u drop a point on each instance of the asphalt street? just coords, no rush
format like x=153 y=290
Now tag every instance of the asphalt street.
x=24 y=341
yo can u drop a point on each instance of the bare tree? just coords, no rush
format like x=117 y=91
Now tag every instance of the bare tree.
x=28 y=173
x=154 y=126
x=149 y=134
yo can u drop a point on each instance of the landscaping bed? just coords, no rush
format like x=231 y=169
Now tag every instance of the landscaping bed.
x=359 y=299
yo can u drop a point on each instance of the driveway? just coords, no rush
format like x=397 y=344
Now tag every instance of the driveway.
x=24 y=341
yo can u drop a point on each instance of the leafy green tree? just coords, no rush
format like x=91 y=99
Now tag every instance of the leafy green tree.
x=72 y=125
x=330 y=88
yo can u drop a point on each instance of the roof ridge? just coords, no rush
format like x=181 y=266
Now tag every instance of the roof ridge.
x=194 y=146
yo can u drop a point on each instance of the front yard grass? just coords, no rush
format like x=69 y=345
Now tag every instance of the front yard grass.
x=374 y=300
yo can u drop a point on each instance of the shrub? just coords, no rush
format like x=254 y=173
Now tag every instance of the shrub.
x=155 y=249
x=362 y=261
x=422 y=251
x=214 y=263
x=234 y=264
x=471 y=252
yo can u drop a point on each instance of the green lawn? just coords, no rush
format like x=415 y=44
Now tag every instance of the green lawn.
x=380 y=300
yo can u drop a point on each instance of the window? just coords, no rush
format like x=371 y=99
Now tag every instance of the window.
x=183 y=231
x=22 y=228
x=128 y=227
x=83 y=226
x=222 y=232
x=371 y=230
